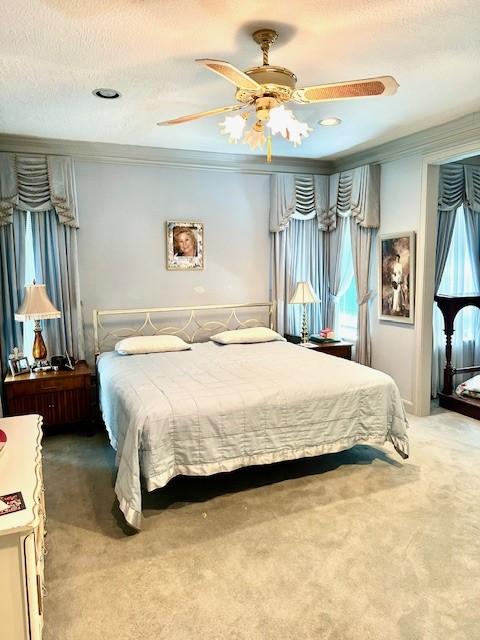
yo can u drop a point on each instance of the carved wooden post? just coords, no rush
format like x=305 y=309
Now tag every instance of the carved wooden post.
x=449 y=308
x=448 y=371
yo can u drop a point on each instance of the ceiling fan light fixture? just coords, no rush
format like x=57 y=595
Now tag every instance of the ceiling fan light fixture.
x=233 y=127
x=263 y=90
x=283 y=121
x=297 y=131
x=331 y=121
x=255 y=137
x=279 y=120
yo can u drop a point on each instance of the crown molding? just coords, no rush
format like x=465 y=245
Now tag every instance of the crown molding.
x=465 y=130
x=130 y=154
x=462 y=131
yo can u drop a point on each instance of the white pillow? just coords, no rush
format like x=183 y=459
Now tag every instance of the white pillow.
x=247 y=336
x=150 y=344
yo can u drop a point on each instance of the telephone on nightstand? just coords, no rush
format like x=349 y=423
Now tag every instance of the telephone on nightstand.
x=62 y=363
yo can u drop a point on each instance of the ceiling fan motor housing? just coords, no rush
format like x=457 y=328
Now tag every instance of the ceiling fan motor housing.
x=277 y=82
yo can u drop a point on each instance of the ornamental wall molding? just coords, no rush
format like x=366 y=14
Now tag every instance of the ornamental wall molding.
x=464 y=130
x=139 y=155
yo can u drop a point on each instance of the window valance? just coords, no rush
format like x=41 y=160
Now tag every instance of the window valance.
x=296 y=196
x=353 y=193
x=37 y=183
x=459 y=184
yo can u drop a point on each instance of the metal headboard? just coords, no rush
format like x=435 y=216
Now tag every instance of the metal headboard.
x=191 y=329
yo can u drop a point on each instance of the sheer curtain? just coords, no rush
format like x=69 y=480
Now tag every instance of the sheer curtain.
x=354 y=194
x=306 y=263
x=460 y=275
x=56 y=266
x=339 y=276
x=12 y=282
x=297 y=243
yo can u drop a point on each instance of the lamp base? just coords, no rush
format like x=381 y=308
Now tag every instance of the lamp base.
x=39 y=351
x=304 y=338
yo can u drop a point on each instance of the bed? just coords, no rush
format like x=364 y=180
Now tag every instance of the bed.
x=450 y=398
x=216 y=408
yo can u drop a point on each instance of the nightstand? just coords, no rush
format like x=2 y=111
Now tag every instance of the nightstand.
x=61 y=397
x=339 y=349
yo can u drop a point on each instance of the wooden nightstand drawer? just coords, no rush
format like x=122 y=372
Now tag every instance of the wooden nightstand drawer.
x=339 y=349
x=48 y=384
x=60 y=397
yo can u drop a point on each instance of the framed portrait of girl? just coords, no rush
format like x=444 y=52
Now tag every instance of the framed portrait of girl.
x=396 y=277
x=185 y=246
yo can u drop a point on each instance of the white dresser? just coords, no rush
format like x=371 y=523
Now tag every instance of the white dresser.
x=22 y=547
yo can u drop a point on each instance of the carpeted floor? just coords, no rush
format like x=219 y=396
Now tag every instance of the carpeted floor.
x=350 y=546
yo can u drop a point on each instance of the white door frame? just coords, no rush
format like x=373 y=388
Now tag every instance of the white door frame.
x=425 y=279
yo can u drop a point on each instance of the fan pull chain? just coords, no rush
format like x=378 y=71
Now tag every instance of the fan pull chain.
x=269 y=147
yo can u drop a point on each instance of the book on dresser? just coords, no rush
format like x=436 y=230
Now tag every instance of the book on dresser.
x=22 y=539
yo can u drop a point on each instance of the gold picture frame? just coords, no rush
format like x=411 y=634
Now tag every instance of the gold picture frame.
x=185 y=245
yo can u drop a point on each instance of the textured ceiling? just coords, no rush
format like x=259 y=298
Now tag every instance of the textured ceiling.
x=55 y=52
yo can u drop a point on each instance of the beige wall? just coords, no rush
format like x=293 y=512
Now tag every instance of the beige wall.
x=393 y=344
x=123 y=209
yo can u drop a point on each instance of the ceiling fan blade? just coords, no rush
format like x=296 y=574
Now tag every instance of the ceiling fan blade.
x=202 y=114
x=380 y=86
x=230 y=73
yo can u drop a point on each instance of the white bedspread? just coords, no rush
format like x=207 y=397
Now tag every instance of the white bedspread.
x=217 y=408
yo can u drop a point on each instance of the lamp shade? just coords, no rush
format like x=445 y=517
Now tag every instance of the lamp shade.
x=36 y=305
x=304 y=294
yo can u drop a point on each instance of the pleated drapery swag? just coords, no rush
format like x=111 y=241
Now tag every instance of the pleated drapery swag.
x=353 y=194
x=45 y=187
x=459 y=186
x=297 y=252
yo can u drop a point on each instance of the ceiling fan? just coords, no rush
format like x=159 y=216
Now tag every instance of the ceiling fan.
x=264 y=91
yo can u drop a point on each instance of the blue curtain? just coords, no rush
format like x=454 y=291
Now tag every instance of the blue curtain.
x=460 y=273
x=56 y=266
x=12 y=282
x=305 y=251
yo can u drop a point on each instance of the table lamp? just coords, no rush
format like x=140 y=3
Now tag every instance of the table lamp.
x=37 y=306
x=304 y=294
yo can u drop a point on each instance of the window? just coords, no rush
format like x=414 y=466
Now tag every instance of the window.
x=458 y=277
x=347 y=308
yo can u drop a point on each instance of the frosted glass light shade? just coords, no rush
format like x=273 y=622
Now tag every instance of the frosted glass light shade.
x=233 y=127
x=304 y=294
x=36 y=305
x=255 y=137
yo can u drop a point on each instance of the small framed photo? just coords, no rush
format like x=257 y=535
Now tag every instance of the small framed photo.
x=185 y=246
x=19 y=365
x=396 y=277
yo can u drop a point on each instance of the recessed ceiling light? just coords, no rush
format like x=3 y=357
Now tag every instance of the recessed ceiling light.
x=107 y=94
x=330 y=122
